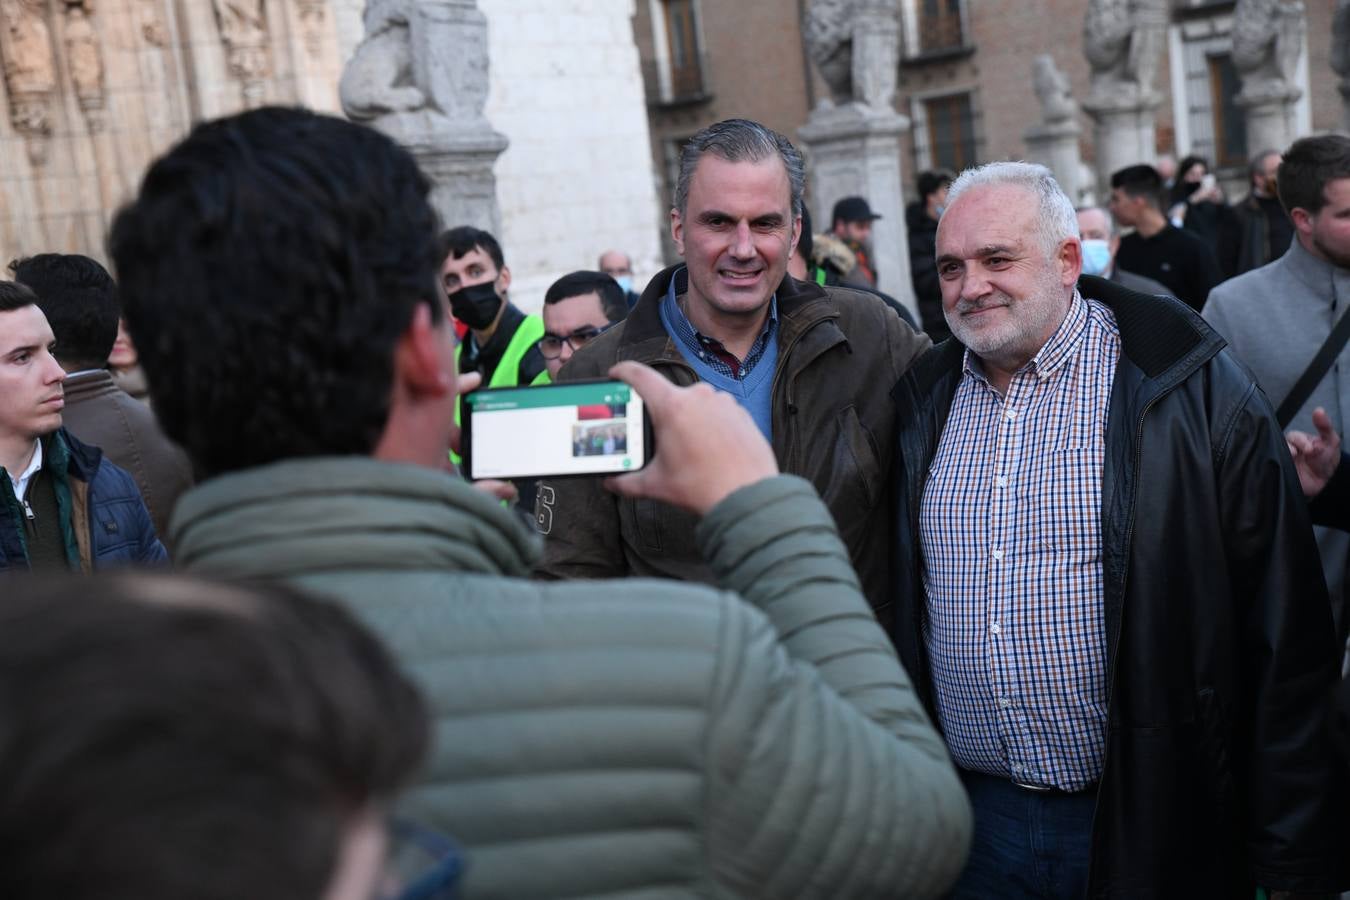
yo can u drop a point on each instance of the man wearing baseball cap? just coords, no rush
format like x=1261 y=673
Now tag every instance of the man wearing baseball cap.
x=852 y=224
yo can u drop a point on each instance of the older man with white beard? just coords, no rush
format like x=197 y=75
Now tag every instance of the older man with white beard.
x=1107 y=587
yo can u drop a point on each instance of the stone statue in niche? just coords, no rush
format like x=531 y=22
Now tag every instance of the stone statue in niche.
x=84 y=57
x=313 y=14
x=243 y=29
x=1052 y=90
x=379 y=77
x=30 y=68
x=1123 y=41
x=1267 y=43
x=855 y=45
x=1340 y=54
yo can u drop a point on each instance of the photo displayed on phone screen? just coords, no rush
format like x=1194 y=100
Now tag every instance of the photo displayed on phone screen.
x=559 y=430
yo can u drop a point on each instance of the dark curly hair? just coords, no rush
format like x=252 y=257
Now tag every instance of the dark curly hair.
x=268 y=266
x=79 y=299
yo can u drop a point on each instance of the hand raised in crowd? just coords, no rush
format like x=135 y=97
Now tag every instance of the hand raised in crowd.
x=1315 y=457
x=466 y=383
x=707 y=446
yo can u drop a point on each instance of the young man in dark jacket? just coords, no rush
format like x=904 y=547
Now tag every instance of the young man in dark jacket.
x=1108 y=591
x=65 y=507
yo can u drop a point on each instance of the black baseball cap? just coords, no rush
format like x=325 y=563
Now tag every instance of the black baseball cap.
x=853 y=209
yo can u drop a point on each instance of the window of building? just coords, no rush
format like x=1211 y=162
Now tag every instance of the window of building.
x=939 y=26
x=1229 y=125
x=679 y=51
x=949 y=126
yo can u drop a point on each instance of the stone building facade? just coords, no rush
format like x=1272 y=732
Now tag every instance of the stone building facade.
x=965 y=79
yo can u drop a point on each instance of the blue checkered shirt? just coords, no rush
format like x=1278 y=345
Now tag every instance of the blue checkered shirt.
x=710 y=351
x=1010 y=527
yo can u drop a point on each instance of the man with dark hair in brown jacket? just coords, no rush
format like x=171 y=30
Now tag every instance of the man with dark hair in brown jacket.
x=79 y=299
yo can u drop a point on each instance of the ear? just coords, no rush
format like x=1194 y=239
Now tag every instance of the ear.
x=504 y=279
x=1303 y=220
x=796 y=234
x=1070 y=261
x=424 y=356
x=677 y=230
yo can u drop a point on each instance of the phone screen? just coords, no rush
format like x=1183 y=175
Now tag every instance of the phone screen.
x=578 y=428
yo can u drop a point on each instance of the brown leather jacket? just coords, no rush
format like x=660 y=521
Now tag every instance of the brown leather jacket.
x=840 y=353
x=98 y=412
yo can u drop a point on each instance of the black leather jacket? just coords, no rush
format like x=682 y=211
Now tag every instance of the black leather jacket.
x=1218 y=774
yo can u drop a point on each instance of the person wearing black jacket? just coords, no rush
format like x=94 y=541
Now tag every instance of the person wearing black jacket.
x=921 y=220
x=1215 y=775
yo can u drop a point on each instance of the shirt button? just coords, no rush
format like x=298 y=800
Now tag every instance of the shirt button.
x=1004 y=702
x=997 y=554
x=1010 y=414
x=1001 y=481
x=995 y=629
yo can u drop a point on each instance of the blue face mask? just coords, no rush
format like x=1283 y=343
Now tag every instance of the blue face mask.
x=937 y=210
x=1096 y=257
x=625 y=282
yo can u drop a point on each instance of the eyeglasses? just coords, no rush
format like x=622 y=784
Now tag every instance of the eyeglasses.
x=551 y=344
x=421 y=865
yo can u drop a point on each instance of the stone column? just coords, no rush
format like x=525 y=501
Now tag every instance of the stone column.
x=1123 y=44
x=421 y=76
x=854 y=150
x=1340 y=56
x=1123 y=134
x=1054 y=142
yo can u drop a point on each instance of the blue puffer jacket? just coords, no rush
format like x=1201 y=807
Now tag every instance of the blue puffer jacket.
x=103 y=519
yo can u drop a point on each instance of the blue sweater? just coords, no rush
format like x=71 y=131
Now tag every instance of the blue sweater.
x=754 y=390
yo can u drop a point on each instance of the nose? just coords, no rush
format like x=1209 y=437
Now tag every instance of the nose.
x=55 y=373
x=565 y=352
x=743 y=247
x=974 y=284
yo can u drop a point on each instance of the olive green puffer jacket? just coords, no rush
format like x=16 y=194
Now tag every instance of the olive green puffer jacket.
x=626 y=738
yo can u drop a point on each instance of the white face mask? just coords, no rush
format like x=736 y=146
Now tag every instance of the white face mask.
x=1096 y=256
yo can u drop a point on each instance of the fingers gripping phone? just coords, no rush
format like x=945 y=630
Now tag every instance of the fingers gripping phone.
x=553 y=430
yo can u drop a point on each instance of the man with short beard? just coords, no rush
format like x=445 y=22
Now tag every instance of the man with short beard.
x=1108 y=591
x=1277 y=317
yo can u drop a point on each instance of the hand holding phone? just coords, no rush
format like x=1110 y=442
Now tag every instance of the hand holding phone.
x=709 y=445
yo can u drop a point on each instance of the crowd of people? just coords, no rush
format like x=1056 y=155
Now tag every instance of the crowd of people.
x=1022 y=599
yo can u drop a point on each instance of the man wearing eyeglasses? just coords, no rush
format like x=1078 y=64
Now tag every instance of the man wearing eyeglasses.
x=578 y=307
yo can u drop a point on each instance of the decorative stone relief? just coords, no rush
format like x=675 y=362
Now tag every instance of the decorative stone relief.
x=30 y=71
x=378 y=79
x=153 y=29
x=856 y=46
x=1267 y=43
x=1054 y=141
x=243 y=29
x=1340 y=55
x=1052 y=90
x=313 y=17
x=1123 y=41
x=84 y=58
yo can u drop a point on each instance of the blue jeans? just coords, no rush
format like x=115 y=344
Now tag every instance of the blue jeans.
x=1027 y=843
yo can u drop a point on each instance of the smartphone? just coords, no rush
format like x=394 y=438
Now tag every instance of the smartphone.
x=552 y=430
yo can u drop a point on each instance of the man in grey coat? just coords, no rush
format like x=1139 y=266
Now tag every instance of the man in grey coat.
x=1277 y=317
x=624 y=738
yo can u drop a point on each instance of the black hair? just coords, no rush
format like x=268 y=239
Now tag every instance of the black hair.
x=1307 y=167
x=79 y=299
x=268 y=267
x=1140 y=181
x=169 y=737
x=461 y=240
x=929 y=183
x=806 y=244
x=16 y=296
x=575 y=284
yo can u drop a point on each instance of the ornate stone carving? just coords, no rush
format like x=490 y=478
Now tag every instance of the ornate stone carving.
x=1123 y=41
x=856 y=46
x=1340 y=54
x=30 y=70
x=243 y=29
x=153 y=30
x=313 y=16
x=1267 y=42
x=379 y=77
x=1052 y=90
x=84 y=57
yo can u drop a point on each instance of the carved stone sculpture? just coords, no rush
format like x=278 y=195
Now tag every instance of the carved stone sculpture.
x=421 y=75
x=1340 y=54
x=1123 y=41
x=30 y=70
x=84 y=57
x=856 y=46
x=243 y=30
x=313 y=15
x=1052 y=90
x=1267 y=43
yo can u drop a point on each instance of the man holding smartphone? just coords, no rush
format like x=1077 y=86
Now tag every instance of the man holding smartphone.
x=695 y=743
x=813 y=365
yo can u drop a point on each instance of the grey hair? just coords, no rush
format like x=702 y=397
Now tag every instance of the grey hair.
x=740 y=140
x=1056 y=220
x=1111 y=225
